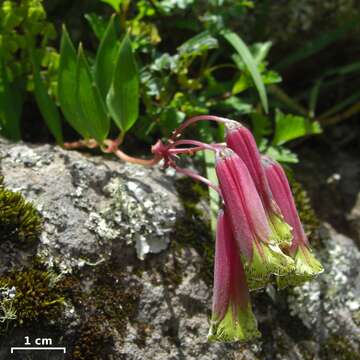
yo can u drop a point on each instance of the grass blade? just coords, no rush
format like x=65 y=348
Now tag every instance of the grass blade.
x=250 y=63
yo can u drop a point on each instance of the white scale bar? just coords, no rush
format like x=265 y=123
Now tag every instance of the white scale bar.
x=37 y=348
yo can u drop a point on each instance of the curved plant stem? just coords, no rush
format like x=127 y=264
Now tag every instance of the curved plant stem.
x=80 y=144
x=146 y=162
x=197 y=144
x=195 y=119
x=196 y=176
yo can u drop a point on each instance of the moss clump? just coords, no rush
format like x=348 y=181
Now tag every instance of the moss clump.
x=193 y=229
x=339 y=348
x=111 y=303
x=36 y=295
x=306 y=212
x=93 y=340
x=20 y=222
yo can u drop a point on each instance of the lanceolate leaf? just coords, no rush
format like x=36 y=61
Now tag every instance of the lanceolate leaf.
x=46 y=105
x=92 y=108
x=106 y=58
x=67 y=85
x=98 y=24
x=250 y=63
x=115 y=4
x=11 y=100
x=123 y=97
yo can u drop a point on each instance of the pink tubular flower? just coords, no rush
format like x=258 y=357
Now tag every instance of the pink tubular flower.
x=261 y=254
x=306 y=266
x=232 y=318
x=241 y=141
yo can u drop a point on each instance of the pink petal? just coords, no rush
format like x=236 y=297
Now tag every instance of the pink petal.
x=240 y=139
x=230 y=288
x=245 y=210
x=281 y=191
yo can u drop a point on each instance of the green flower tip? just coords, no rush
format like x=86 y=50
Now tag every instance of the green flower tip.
x=307 y=267
x=268 y=260
x=241 y=326
x=281 y=231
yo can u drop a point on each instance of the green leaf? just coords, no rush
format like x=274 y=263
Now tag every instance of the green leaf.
x=98 y=24
x=123 y=96
x=170 y=119
x=282 y=154
x=92 y=108
x=11 y=101
x=236 y=104
x=67 y=85
x=271 y=77
x=260 y=51
x=250 y=63
x=244 y=82
x=289 y=127
x=115 y=4
x=241 y=84
x=198 y=44
x=261 y=126
x=46 y=105
x=106 y=58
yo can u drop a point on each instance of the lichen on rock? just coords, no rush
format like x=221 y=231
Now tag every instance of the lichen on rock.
x=95 y=211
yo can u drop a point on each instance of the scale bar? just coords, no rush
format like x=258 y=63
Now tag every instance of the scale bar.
x=37 y=348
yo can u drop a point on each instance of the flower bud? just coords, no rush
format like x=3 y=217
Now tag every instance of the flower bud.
x=232 y=318
x=255 y=239
x=241 y=141
x=306 y=265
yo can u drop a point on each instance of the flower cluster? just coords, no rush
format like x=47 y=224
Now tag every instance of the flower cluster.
x=259 y=239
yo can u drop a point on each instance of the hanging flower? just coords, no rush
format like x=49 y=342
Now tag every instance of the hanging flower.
x=240 y=139
x=232 y=318
x=306 y=265
x=254 y=237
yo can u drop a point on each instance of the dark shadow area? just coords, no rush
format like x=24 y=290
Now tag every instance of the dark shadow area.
x=329 y=169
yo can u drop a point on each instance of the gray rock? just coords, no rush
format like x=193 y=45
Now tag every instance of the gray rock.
x=87 y=202
x=101 y=216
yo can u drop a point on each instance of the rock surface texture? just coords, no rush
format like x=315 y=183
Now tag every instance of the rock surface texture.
x=131 y=289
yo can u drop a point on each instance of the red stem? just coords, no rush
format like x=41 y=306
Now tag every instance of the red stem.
x=149 y=162
x=195 y=176
x=195 y=119
x=91 y=144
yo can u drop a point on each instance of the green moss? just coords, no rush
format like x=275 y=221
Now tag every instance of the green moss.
x=339 y=348
x=36 y=295
x=306 y=212
x=20 y=222
x=111 y=304
x=193 y=229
